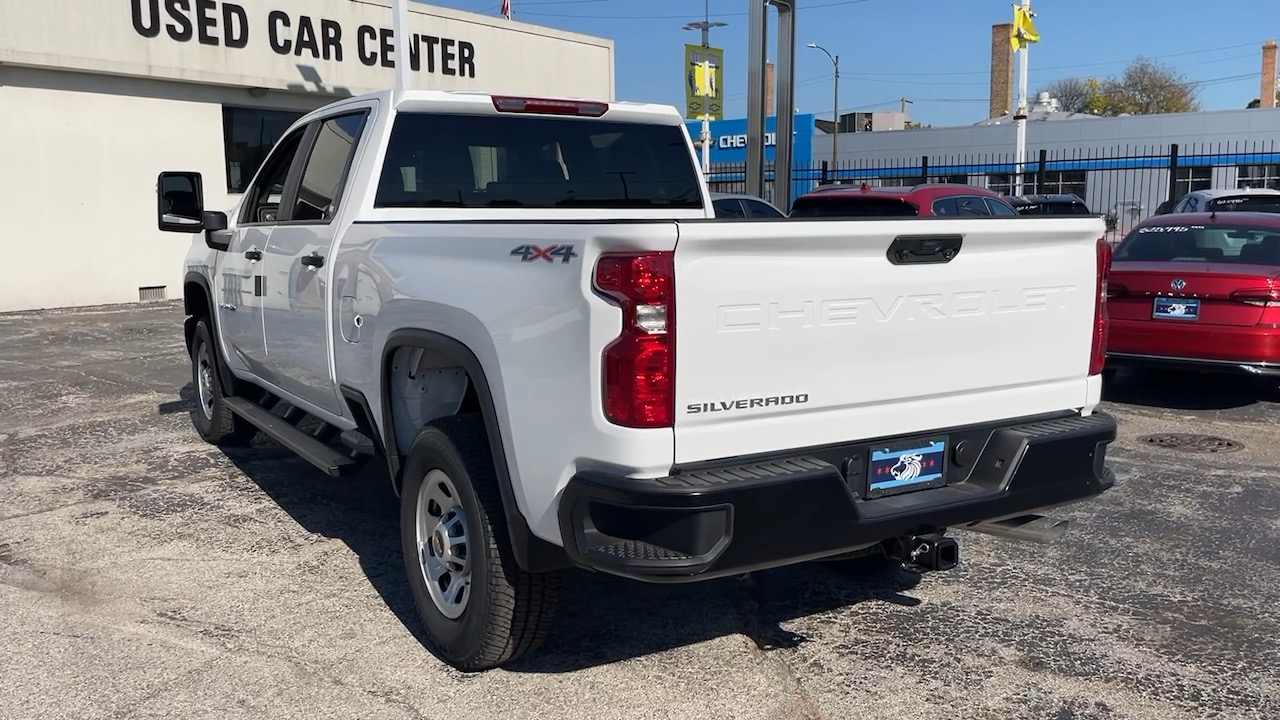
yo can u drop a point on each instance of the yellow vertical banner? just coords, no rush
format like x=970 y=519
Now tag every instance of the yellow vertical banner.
x=703 y=92
x=1024 y=31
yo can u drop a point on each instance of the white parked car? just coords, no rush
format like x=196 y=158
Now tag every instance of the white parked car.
x=528 y=308
x=1224 y=200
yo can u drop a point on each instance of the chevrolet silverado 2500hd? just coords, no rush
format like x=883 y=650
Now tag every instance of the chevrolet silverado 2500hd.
x=527 y=308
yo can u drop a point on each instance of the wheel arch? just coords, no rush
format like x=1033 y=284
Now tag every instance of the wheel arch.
x=197 y=304
x=531 y=552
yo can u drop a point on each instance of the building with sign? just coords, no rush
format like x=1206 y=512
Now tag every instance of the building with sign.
x=729 y=150
x=100 y=96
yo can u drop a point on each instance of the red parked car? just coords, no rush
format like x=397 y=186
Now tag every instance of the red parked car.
x=945 y=199
x=1198 y=290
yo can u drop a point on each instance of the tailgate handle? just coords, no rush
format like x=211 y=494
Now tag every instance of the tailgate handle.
x=921 y=249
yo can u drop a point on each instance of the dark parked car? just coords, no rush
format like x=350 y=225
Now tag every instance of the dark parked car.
x=1060 y=204
x=734 y=205
x=930 y=199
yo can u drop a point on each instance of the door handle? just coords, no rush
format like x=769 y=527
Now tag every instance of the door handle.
x=254 y=255
x=314 y=260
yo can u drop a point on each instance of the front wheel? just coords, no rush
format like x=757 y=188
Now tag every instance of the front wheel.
x=480 y=609
x=212 y=418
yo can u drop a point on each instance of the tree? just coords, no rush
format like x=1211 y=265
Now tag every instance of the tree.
x=1072 y=94
x=1145 y=88
x=1149 y=88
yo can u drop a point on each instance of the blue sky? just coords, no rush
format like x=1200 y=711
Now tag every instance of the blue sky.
x=934 y=52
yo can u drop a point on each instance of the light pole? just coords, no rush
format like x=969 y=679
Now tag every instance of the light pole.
x=705 y=26
x=835 y=108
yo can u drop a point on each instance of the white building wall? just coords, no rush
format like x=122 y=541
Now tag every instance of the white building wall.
x=77 y=187
x=94 y=108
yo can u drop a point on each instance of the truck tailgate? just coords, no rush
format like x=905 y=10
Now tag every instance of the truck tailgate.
x=802 y=333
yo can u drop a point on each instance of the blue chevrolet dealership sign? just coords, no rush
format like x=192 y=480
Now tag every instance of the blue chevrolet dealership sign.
x=729 y=139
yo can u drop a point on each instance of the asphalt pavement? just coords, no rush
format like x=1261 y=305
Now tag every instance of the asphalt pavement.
x=145 y=574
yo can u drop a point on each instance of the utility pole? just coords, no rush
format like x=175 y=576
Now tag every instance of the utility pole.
x=1020 y=117
x=705 y=26
x=835 y=108
x=905 y=102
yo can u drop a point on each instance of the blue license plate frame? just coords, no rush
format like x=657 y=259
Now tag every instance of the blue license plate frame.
x=1177 y=309
x=907 y=466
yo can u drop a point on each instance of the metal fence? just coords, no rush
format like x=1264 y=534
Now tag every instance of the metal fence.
x=1125 y=183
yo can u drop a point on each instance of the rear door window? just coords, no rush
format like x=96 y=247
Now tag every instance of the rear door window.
x=487 y=161
x=758 y=209
x=997 y=208
x=945 y=206
x=728 y=208
x=852 y=207
x=970 y=206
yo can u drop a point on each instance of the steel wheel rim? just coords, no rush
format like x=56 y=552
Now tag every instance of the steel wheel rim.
x=204 y=381
x=443 y=544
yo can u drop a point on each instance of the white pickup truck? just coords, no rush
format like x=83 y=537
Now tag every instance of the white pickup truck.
x=527 y=308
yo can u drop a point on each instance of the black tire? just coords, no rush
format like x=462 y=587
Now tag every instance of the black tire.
x=214 y=421
x=509 y=612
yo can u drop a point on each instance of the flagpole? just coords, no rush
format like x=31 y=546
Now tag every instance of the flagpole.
x=400 y=28
x=1020 y=117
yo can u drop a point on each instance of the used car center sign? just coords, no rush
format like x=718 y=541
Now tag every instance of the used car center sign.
x=228 y=24
x=331 y=48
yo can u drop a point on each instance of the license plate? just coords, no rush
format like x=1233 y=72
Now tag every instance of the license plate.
x=906 y=467
x=1176 y=309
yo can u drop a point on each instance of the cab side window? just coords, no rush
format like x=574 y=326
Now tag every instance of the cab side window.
x=262 y=202
x=327 y=166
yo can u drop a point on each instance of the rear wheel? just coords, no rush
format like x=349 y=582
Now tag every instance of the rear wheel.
x=479 y=608
x=212 y=418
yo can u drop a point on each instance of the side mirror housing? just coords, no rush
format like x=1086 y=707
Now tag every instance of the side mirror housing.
x=180 y=202
x=214 y=220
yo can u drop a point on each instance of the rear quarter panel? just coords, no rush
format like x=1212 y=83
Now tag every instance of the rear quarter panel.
x=536 y=328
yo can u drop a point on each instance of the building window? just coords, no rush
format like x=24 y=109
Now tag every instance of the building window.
x=1189 y=179
x=914 y=180
x=1003 y=184
x=1056 y=182
x=248 y=135
x=1258 y=176
x=1065 y=182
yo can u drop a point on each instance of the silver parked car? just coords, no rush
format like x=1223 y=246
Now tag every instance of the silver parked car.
x=1225 y=200
x=734 y=205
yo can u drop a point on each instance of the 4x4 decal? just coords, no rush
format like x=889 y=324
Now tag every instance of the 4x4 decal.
x=529 y=253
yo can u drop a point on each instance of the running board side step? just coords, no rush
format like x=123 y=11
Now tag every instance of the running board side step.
x=329 y=460
x=1032 y=528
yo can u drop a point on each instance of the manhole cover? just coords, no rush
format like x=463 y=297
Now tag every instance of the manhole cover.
x=1190 y=442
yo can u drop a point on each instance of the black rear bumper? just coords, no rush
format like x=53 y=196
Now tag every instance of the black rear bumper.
x=718 y=519
x=1225 y=367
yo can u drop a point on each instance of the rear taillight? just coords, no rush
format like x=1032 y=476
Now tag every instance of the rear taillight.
x=548 y=106
x=640 y=365
x=1098 y=354
x=1262 y=297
